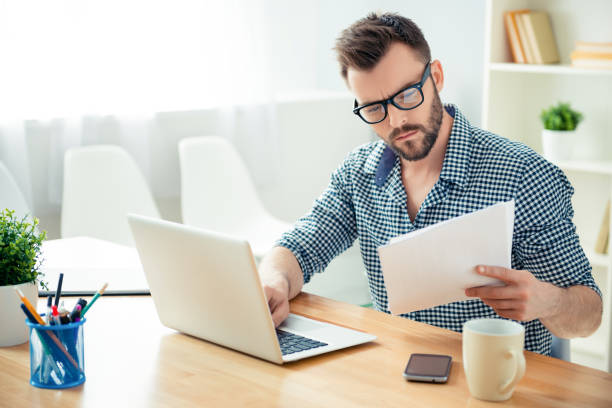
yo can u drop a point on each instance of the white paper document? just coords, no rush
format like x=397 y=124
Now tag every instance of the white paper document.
x=434 y=265
x=88 y=263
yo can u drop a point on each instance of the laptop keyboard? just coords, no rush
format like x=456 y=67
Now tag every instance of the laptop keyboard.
x=292 y=343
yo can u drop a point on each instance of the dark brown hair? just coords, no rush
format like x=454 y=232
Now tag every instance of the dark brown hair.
x=366 y=41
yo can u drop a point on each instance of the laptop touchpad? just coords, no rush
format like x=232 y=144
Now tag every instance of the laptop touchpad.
x=301 y=324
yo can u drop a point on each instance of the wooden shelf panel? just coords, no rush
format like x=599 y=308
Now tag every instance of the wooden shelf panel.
x=596 y=259
x=600 y=167
x=562 y=69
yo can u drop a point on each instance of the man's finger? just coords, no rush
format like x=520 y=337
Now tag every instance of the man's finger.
x=493 y=292
x=508 y=313
x=280 y=312
x=503 y=304
x=498 y=272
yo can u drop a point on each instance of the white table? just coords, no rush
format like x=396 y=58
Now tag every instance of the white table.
x=87 y=263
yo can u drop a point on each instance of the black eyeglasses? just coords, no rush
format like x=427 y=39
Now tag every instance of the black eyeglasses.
x=406 y=99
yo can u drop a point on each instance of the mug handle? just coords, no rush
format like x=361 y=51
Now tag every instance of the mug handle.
x=519 y=371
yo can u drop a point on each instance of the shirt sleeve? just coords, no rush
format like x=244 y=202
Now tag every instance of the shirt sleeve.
x=545 y=240
x=328 y=229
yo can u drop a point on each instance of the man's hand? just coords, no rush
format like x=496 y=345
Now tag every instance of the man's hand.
x=524 y=297
x=282 y=279
x=277 y=294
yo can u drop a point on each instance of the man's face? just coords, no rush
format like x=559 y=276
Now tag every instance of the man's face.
x=412 y=133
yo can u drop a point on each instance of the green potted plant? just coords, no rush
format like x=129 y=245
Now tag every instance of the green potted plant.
x=559 y=133
x=20 y=261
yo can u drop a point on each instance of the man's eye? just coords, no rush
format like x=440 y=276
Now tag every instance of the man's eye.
x=409 y=93
x=373 y=109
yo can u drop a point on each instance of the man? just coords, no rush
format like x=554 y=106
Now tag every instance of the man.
x=432 y=165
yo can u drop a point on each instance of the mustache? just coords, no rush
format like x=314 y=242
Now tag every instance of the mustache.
x=404 y=129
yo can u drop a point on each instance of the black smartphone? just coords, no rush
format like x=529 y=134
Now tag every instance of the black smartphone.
x=428 y=368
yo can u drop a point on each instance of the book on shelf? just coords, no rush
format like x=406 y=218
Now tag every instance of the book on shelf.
x=518 y=54
x=531 y=37
x=592 y=55
x=540 y=37
x=603 y=238
x=520 y=23
x=599 y=47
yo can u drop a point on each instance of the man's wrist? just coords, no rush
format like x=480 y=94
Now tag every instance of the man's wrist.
x=554 y=296
x=279 y=281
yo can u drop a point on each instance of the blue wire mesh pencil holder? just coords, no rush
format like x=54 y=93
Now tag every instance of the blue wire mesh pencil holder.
x=56 y=355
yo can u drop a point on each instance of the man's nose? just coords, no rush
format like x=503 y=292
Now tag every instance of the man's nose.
x=397 y=117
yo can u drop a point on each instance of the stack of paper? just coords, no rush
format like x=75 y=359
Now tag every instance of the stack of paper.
x=592 y=55
x=434 y=265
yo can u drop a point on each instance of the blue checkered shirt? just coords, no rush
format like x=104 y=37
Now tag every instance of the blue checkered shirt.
x=366 y=199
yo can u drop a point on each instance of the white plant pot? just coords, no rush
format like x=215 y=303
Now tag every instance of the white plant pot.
x=558 y=145
x=13 y=329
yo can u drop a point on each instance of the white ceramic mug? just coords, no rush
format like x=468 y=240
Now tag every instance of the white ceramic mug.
x=493 y=357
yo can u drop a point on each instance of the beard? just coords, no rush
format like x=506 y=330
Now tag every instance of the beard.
x=413 y=150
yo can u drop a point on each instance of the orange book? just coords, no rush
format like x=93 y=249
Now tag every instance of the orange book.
x=595 y=60
x=590 y=55
x=516 y=47
x=598 y=47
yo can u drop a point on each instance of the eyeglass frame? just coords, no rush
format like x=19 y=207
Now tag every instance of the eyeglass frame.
x=385 y=102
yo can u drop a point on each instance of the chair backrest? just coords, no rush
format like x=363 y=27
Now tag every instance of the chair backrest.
x=560 y=348
x=10 y=194
x=102 y=184
x=217 y=191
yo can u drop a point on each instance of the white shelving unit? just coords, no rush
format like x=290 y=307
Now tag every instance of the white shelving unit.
x=515 y=94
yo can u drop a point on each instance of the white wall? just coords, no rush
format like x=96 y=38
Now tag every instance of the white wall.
x=300 y=36
x=304 y=33
x=314 y=122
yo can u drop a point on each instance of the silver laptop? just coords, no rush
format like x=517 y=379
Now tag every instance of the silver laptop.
x=206 y=284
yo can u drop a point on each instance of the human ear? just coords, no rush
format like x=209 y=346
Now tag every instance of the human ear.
x=437 y=74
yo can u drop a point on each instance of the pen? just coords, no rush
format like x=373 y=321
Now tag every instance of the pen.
x=40 y=321
x=56 y=318
x=81 y=302
x=58 y=292
x=61 y=308
x=64 y=318
x=100 y=292
x=75 y=315
x=63 y=314
x=48 y=315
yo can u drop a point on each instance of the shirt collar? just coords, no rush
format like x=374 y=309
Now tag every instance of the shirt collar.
x=456 y=160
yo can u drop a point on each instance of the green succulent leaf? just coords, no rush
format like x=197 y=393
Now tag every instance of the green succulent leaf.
x=20 y=243
x=560 y=117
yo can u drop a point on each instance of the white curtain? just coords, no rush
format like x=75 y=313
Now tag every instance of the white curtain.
x=140 y=74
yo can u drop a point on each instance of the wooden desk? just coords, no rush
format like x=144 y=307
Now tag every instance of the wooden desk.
x=132 y=360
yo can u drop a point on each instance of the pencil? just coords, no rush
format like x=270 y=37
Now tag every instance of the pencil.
x=40 y=321
x=97 y=295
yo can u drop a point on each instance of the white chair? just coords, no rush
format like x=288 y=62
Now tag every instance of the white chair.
x=217 y=193
x=102 y=184
x=10 y=194
x=560 y=348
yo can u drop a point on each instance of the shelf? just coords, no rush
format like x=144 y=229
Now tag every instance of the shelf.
x=593 y=345
x=562 y=69
x=513 y=96
x=599 y=167
x=598 y=259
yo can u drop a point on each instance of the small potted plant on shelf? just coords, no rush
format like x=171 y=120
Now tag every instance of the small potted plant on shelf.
x=559 y=133
x=20 y=261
